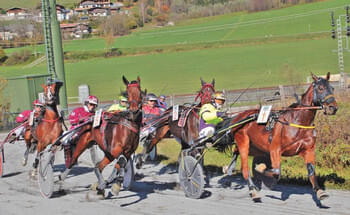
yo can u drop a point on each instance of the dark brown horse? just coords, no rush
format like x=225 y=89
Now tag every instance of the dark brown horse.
x=49 y=126
x=117 y=137
x=292 y=134
x=186 y=132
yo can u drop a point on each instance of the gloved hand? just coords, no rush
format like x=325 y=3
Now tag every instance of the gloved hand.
x=220 y=114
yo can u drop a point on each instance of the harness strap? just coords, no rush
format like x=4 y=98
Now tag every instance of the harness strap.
x=128 y=125
x=296 y=125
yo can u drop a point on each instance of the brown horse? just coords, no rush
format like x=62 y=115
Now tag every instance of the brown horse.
x=117 y=137
x=49 y=126
x=186 y=133
x=291 y=134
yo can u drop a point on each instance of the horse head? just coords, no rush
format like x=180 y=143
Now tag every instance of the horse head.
x=134 y=94
x=207 y=92
x=323 y=94
x=51 y=92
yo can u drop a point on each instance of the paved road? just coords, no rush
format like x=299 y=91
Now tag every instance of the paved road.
x=156 y=191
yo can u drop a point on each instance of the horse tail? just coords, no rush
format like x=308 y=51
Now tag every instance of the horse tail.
x=225 y=144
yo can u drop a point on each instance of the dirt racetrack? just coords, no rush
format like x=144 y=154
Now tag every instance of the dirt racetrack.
x=156 y=191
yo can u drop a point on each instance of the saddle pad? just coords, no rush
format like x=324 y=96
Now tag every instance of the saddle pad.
x=183 y=117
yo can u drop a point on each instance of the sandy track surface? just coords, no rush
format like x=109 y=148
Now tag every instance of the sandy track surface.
x=156 y=191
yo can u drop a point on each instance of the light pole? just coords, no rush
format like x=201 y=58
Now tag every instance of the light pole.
x=338 y=34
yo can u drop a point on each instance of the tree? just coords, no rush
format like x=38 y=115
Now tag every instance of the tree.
x=109 y=40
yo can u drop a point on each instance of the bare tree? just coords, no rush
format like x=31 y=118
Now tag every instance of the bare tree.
x=142 y=9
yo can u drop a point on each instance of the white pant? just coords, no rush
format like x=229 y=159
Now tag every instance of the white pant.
x=20 y=131
x=206 y=132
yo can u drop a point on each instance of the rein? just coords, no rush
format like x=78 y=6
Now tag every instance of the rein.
x=200 y=94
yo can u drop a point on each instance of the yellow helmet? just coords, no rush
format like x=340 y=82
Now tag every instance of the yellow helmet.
x=123 y=99
x=220 y=96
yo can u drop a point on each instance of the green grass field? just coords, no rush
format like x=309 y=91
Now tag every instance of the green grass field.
x=179 y=72
x=241 y=54
x=300 y=19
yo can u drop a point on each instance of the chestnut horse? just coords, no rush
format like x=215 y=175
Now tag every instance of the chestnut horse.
x=185 y=134
x=292 y=134
x=49 y=127
x=117 y=137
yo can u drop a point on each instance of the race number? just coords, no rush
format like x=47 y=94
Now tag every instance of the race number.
x=31 y=118
x=175 y=112
x=264 y=114
x=97 y=118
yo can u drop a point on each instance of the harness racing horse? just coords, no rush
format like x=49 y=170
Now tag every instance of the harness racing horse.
x=292 y=134
x=117 y=137
x=185 y=129
x=49 y=126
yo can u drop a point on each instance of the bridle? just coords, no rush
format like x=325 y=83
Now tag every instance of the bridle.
x=135 y=101
x=205 y=94
x=322 y=98
x=49 y=96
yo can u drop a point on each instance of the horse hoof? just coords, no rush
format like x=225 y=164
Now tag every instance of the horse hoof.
x=33 y=173
x=115 y=189
x=321 y=195
x=225 y=169
x=24 y=162
x=254 y=194
x=93 y=197
x=94 y=186
x=260 y=167
x=101 y=193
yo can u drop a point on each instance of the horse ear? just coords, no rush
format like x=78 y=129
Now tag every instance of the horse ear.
x=126 y=82
x=202 y=82
x=213 y=82
x=138 y=79
x=328 y=76
x=314 y=76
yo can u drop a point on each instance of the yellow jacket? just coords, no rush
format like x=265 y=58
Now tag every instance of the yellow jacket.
x=209 y=114
x=116 y=107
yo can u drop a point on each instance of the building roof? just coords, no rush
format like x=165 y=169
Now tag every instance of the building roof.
x=14 y=9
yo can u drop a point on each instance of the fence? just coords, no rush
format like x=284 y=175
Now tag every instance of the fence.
x=243 y=99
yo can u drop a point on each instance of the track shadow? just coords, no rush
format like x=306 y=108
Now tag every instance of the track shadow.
x=143 y=189
x=12 y=174
x=234 y=181
x=303 y=186
x=287 y=191
x=76 y=170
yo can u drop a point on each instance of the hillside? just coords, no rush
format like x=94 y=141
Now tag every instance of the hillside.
x=236 y=49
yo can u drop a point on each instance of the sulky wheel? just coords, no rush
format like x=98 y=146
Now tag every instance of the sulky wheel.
x=128 y=175
x=191 y=177
x=1 y=162
x=45 y=174
x=259 y=177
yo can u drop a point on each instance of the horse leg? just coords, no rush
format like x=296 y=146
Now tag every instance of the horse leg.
x=309 y=158
x=275 y=156
x=101 y=184
x=141 y=158
x=119 y=167
x=25 y=157
x=229 y=169
x=242 y=140
x=36 y=161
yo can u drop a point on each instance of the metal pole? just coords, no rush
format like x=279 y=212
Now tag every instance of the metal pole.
x=48 y=39
x=58 y=53
x=342 y=80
